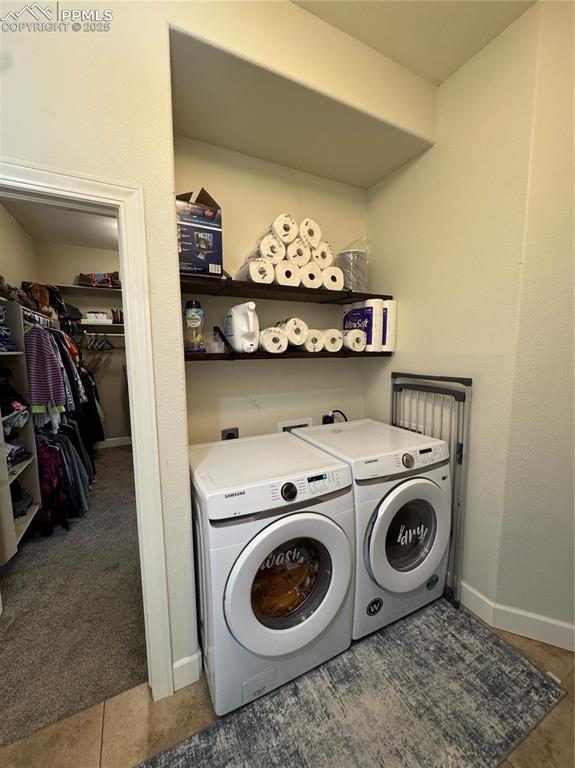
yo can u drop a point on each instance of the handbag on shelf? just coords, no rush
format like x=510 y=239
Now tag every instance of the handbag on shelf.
x=100 y=279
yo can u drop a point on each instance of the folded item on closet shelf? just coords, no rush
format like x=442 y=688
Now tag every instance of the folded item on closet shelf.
x=15 y=420
x=310 y=232
x=7 y=345
x=355 y=340
x=298 y=252
x=314 y=341
x=269 y=247
x=333 y=279
x=287 y=273
x=322 y=255
x=5 y=332
x=15 y=454
x=332 y=340
x=21 y=500
x=311 y=276
x=2 y=313
x=295 y=328
x=284 y=227
x=273 y=340
x=257 y=271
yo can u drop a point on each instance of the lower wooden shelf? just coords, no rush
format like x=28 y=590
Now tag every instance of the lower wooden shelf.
x=21 y=523
x=290 y=354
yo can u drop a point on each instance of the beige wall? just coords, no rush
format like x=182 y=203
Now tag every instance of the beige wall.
x=473 y=240
x=108 y=115
x=61 y=264
x=255 y=396
x=536 y=557
x=17 y=254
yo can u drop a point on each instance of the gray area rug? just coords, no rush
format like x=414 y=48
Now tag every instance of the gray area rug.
x=435 y=689
x=72 y=631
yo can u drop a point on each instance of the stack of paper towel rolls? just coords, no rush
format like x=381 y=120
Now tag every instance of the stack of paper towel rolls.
x=293 y=255
x=377 y=318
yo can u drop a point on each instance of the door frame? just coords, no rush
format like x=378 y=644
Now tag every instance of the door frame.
x=33 y=183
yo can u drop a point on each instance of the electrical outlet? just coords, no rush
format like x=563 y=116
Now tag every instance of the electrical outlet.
x=328 y=418
x=230 y=433
x=287 y=426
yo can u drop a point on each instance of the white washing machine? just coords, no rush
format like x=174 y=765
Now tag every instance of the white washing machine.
x=275 y=542
x=403 y=516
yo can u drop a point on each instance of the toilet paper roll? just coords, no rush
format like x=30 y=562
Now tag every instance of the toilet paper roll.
x=311 y=276
x=355 y=340
x=375 y=332
x=322 y=255
x=287 y=273
x=295 y=329
x=256 y=271
x=310 y=232
x=314 y=341
x=389 y=325
x=270 y=247
x=298 y=253
x=332 y=340
x=273 y=340
x=332 y=278
x=285 y=228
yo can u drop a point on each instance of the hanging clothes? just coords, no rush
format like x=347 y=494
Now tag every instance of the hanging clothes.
x=45 y=380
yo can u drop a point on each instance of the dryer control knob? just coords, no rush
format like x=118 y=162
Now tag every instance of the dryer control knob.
x=289 y=491
x=407 y=460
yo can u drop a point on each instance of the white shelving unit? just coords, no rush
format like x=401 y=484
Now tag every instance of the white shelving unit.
x=12 y=529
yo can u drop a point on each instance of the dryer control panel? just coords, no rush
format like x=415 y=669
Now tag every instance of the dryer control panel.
x=406 y=460
x=250 y=500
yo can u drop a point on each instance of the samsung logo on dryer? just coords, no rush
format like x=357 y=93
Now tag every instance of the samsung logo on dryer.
x=234 y=493
x=371 y=461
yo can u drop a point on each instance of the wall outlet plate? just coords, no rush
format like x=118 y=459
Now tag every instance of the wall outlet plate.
x=287 y=426
x=230 y=433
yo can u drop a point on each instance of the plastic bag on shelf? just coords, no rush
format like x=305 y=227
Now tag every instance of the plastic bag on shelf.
x=353 y=261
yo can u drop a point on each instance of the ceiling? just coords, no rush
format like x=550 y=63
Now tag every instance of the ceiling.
x=65 y=226
x=250 y=109
x=432 y=38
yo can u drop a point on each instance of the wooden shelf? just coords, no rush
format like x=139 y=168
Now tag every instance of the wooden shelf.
x=102 y=327
x=22 y=523
x=10 y=354
x=15 y=471
x=89 y=289
x=226 y=287
x=290 y=354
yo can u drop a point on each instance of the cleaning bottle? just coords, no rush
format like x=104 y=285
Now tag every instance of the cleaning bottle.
x=194 y=327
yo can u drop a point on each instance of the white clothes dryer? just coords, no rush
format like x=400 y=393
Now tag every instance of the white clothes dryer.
x=403 y=516
x=275 y=540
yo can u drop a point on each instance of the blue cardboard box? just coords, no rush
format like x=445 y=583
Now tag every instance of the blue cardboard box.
x=199 y=235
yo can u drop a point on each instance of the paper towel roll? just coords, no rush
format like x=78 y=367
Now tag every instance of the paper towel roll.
x=270 y=247
x=310 y=232
x=298 y=253
x=389 y=325
x=311 y=276
x=332 y=278
x=273 y=340
x=295 y=329
x=332 y=340
x=375 y=333
x=256 y=271
x=354 y=340
x=322 y=255
x=314 y=341
x=287 y=273
x=285 y=227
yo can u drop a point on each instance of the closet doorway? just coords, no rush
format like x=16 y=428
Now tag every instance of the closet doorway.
x=72 y=627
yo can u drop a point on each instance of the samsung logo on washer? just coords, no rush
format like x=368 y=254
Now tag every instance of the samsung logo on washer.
x=234 y=493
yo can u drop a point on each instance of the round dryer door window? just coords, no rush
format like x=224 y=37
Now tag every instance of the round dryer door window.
x=409 y=536
x=288 y=584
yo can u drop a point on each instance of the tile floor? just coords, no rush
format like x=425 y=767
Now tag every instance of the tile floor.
x=127 y=729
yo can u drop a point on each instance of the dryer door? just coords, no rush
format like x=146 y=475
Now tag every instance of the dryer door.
x=409 y=536
x=288 y=584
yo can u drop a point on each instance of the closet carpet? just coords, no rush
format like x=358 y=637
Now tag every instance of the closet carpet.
x=72 y=631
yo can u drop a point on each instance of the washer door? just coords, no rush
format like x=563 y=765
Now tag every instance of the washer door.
x=288 y=584
x=409 y=536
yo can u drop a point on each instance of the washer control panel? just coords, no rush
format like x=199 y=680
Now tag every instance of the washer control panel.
x=307 y=487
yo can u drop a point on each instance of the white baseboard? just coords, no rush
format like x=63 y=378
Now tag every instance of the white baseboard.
x=519 y=622
x=113 y=442
x=187 y=670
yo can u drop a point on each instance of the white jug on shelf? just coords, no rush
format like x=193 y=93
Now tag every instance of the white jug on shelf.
x=242 y=328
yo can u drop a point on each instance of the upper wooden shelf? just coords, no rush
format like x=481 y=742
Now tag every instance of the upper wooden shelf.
x=89 y=289
x=225 y=286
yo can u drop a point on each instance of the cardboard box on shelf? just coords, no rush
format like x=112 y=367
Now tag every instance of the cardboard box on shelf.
x=199 y=235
